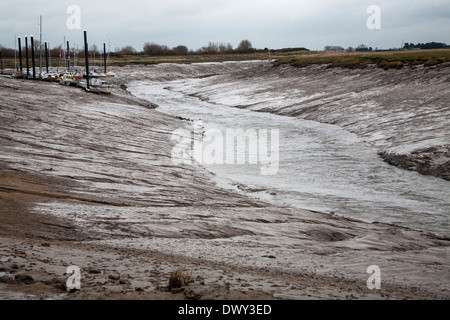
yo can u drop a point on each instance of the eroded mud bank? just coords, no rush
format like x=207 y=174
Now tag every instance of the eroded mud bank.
x=88 y=180
x=403 y=113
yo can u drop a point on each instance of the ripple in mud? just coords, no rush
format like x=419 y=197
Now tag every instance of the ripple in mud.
x=323 y=234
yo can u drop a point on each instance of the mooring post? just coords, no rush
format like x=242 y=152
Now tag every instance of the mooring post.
x=26 y=56
x=104 y=54
x=86 y=59
x=68 y=56
x=46 y=57
x=32 y=58
x=20 y=55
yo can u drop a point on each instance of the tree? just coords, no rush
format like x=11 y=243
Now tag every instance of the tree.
x=333 y=48
x=6 y=52
x=245 y=46
x=56 y=51
x=362 y=48
x=180 y=50
x=37 y=45
x=127 y=50
x=153 y=49
x=211 y=48
x=93 y=49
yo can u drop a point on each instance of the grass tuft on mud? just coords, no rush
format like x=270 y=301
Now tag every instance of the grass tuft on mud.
x=180 y=278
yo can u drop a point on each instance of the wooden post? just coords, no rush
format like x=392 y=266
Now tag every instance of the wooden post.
x=68 y=56
x=26 y=56
x=32 y=58
x=20 y=54
x=104 y=54
x=86 y=59
x=46 y=57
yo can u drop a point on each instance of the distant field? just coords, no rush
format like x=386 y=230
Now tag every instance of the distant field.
x=133 y=60
x=385 y=60
x=147 y=60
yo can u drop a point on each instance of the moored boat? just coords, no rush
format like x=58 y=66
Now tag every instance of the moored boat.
x=52 y=77
x=18 y=75
x=91 y=75
x=101 y=86
x=68 y=79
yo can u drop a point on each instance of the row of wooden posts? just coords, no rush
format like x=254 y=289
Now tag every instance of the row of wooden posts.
x=86 y=55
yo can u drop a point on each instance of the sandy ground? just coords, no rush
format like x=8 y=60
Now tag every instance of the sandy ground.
x=87 y=180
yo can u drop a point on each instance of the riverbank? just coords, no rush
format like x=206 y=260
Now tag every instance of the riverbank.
x=399 y=112
x=87 y=180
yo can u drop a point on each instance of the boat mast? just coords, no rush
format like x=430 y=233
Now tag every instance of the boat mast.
x=15 y=53
x=49 y=56
x=64 y=51
x=68 y=56
x=59 y=60
x=109 y=51
x=26 y=56
x=104 y=54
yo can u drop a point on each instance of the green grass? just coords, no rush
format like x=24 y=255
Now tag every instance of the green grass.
x=149 y=60
x=385 y=60
x=301 y=58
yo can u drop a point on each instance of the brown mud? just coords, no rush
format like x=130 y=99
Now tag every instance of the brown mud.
x=87 y=180
x=403 y=113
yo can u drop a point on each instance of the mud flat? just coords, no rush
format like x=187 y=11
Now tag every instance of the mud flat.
x=403 y=113
x=87 y=180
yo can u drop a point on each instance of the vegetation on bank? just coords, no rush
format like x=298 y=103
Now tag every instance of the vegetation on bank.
x=303 y=58
x=297 y=57
x=353 y=60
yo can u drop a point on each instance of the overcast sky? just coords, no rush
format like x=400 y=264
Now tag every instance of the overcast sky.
x=266 y=23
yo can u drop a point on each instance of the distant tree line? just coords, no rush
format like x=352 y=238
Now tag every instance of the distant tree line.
x=149 y=48
x=428 y=45
x=407 y=46
x=360 y=48
x=154 y=49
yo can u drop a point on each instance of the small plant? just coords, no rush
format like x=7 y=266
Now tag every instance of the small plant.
x=180 y=278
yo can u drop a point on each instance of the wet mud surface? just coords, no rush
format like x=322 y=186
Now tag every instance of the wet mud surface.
x=87 y=180
x=403 y=113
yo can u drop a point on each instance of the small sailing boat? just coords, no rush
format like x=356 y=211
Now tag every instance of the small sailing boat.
x=68 y=79
x=101 y=86
x=18 y=75
x=52 y=77
x=91 y=75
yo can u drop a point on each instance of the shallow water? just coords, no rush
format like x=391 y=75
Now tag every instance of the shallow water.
x=322 y=167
